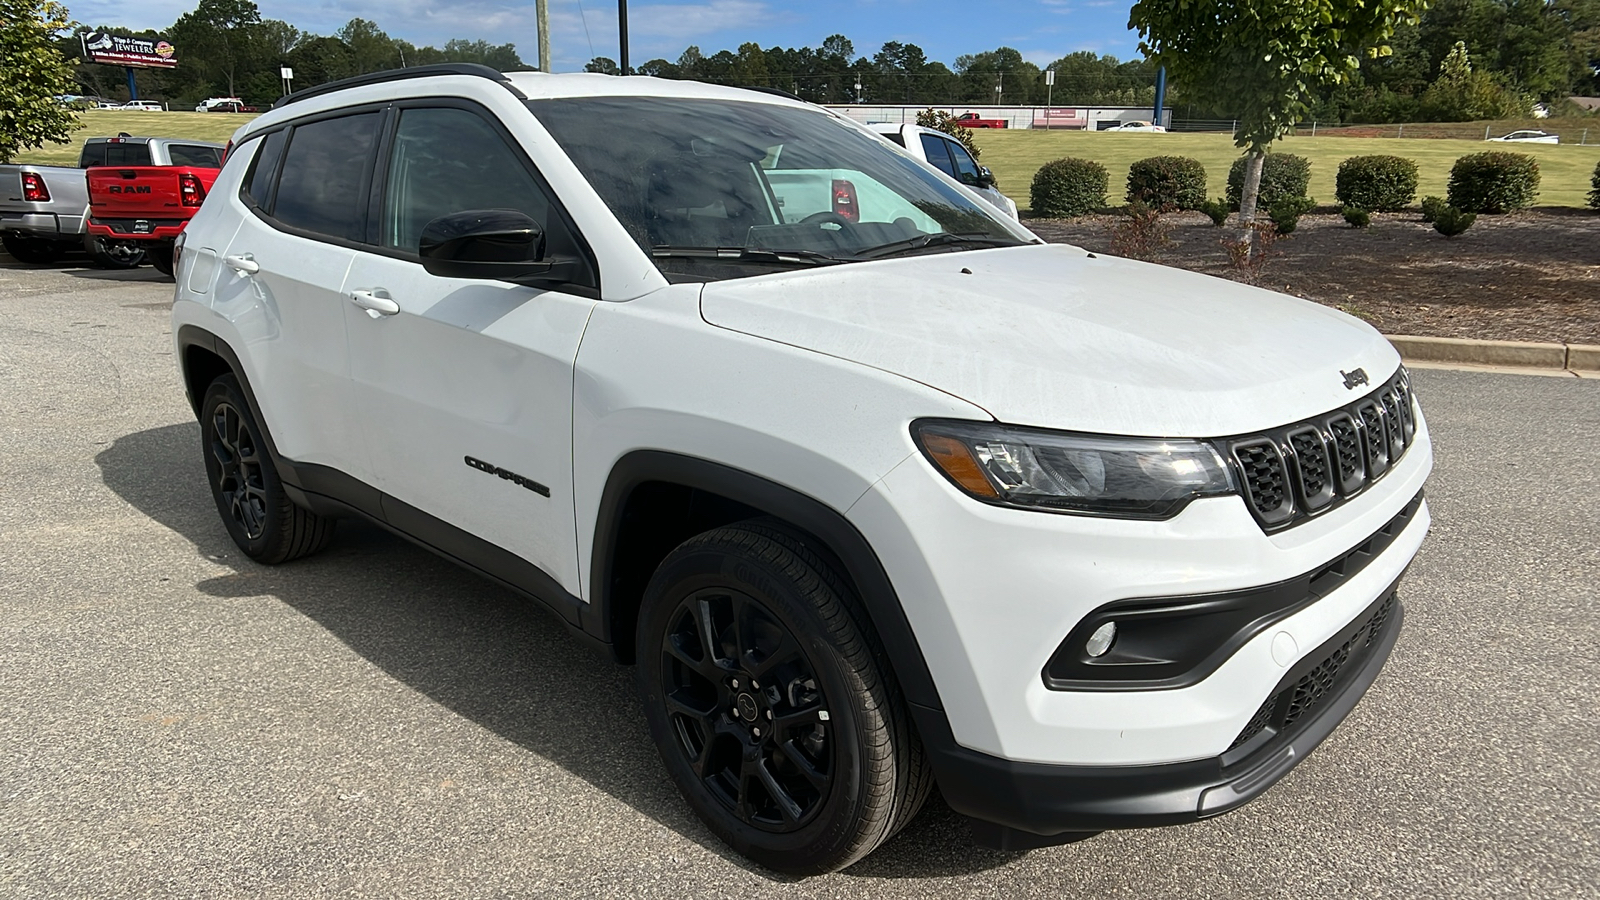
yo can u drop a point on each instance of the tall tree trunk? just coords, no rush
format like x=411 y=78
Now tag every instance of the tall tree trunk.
x=1252 y=186
x=1248 y=195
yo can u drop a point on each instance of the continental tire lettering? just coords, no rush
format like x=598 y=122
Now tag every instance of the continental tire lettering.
x=507 y=475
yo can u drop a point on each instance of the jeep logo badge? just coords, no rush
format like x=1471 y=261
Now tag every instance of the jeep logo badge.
x=1355 y=378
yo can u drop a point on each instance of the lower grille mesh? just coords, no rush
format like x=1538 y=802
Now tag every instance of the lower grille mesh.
x=1297 y=701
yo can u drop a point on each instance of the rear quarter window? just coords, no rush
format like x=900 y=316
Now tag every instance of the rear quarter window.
x=323 y=186
x=195 y=156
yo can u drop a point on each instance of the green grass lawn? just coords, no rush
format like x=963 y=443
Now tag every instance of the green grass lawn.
x=1014 y=156
x=214 y=127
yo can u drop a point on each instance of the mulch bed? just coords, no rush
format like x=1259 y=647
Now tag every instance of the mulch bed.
x=1531 y=276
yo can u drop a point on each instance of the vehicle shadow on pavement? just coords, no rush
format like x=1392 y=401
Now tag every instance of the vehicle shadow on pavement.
x=480 y=651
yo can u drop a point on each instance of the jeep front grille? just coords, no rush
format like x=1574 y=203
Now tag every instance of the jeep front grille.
x=1289 y=474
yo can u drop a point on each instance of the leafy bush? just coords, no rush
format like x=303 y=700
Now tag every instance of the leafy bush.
x=1282 y=175
x=1217 y=210
x=1357 y=217
x=1068 y=187
x=1167 y=182
x=1594 y=181
x=1286 y=212
x=1493 y=182
x=1451 y=221
x=1431 y=207
x=1377 y=183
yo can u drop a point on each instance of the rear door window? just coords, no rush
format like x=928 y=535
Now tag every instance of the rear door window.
x=325 y=171
x=938 y=154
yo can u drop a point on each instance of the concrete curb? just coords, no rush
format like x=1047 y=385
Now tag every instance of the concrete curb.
x=1500 y=354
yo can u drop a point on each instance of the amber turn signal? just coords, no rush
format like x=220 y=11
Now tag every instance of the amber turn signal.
x=955 y=458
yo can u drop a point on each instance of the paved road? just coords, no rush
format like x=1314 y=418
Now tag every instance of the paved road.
x=177 y=721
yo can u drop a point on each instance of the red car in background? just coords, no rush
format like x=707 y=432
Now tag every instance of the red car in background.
x=148 y=206
x=973 y=120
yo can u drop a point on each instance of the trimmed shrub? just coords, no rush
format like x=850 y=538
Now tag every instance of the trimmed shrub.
x=1493 y=182
x=1068 y=187
x=1377 y=183
x=1167 y=182
x=1357 y=217
x=1282 y=175
x=1217 y=210
x=1431 y=207
x=1286 y=212
x=1594 y=181
x=1451 y=221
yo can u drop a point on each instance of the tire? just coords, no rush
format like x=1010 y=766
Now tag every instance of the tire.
x=258 y=514
x=112 y=254
x=29 y=250
x=160 y=258
x=786 y=733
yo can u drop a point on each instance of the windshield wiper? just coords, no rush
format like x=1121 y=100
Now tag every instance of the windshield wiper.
x=756 y=255
x=974 y=238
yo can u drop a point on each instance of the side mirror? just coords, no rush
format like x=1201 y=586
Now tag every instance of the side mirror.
x=985 y=177
x=501 y=244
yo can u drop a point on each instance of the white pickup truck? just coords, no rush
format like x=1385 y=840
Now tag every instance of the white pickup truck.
x=43 y=208
x=949 y=156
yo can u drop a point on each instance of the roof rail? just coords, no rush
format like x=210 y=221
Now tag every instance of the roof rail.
x=474 y=69
x=778 y=92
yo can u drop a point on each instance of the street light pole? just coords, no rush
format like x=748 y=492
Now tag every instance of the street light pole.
x=622 y=29
x=541 y=15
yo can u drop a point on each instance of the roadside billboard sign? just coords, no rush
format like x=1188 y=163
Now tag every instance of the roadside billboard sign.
x=116 y=50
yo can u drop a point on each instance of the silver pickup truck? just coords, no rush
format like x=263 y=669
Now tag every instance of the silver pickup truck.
x=42 y=208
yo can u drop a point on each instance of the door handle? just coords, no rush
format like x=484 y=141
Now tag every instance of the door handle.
x=244 y=263
x=376 y=300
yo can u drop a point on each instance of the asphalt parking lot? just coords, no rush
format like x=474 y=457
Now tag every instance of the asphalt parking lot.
x=372 y=722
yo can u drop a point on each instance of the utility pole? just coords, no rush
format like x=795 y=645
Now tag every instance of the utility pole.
x=1000 y=87
x=541 y=15
x=622 y=29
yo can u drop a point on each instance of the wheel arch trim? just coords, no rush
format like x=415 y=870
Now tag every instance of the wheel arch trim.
x=817 y=519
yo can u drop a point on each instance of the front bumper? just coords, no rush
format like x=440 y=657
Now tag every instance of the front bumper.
x=1018 y=805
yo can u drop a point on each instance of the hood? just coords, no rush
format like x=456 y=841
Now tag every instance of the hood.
x=1047 y=335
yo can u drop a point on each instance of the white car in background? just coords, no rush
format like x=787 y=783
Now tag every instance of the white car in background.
x=1137 y=126
x=949 y=156
x=1529 y=137
x=142 y=105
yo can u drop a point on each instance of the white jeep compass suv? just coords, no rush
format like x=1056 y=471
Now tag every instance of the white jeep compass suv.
x=873 y=487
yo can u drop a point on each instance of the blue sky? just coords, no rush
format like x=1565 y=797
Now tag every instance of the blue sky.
x=1042 y=30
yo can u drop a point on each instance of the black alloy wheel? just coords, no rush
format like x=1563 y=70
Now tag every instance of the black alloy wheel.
x=239 y=482
x=746 y=709
x=771 y=701
x=250 y=497
x=161 y=258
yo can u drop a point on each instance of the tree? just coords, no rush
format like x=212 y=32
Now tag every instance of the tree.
x=371 y=50
x=603 y=65
x=32 y=74
x=217 y=38
x=1266 y=59
x=1464 y=95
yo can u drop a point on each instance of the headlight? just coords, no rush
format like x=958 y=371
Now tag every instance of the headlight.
x=1029 y=468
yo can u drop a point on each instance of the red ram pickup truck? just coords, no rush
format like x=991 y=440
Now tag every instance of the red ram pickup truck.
x=973 y=120
x=148 y=206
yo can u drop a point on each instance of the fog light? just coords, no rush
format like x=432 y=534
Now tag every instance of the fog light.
x=1100 y=641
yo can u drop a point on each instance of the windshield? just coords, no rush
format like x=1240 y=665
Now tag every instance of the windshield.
x=723 y=188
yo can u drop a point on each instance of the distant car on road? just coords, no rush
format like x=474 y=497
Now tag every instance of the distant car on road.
x=1137 y=126
x=225 y=104
x=1529 y=137
x=973 y=120
x=142 y=105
